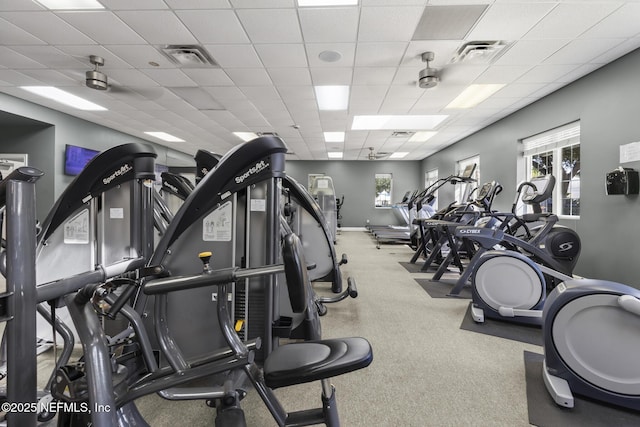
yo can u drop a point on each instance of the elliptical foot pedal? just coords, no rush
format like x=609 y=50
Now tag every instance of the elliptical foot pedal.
x=558 y=388
x=477 y=314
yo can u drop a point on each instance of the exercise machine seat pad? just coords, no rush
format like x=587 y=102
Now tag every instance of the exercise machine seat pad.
x=308 y=361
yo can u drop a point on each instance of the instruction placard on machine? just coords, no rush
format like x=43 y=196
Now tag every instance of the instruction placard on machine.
x=216 y=227
x=76 y=230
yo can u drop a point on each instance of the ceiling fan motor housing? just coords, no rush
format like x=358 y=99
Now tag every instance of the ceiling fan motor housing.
x=96 y=80
x=428 y=78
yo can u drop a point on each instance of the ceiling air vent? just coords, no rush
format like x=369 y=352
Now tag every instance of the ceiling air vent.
x=480 y=52
x=401 y=134
x=189 y=56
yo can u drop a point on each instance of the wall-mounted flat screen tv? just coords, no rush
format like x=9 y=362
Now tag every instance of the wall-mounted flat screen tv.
x=76 y=158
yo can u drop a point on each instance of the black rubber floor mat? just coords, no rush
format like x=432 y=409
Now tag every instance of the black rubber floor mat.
x=412 y=268
x=543 y=411
x=507 y=330
x=441 y=289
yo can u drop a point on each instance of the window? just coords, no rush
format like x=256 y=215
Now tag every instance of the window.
x=557 y=152
x=384 y=183
x=463 y=190
x=430 y=178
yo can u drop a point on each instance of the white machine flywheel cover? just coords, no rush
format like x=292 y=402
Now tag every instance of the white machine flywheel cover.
x=600 y=342
x=504 y=281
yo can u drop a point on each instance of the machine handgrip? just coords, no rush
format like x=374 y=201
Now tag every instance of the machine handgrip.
x=343 y=260
x=630 y=304
x=351 y=287
x=172 y=284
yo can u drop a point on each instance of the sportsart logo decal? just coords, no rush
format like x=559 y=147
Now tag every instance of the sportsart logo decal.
x=123 y=169
x=260 y=166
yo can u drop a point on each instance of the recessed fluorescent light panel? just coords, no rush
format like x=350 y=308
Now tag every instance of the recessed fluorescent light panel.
x=398 y=155
x=165 y=136
x=332 y=97
x=70 y=4
x=63 y=97
x=397 y=122
x=421 y=136
x=246 y=136
x=474 y=95
x=334 y=136
x=335 y=154
x=311 y=3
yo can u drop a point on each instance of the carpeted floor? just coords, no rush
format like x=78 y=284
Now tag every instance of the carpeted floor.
x=427 y=370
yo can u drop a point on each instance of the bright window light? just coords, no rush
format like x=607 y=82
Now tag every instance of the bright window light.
x=334 y=136
x=332 y=97
x=335 y=154
x=398 y=155
x=63 y=97
x=165 y=136
x=303 y=3
x=246 y=136
x=421 y=136
x=70 y=4
x=474 y=95
x=397 y=122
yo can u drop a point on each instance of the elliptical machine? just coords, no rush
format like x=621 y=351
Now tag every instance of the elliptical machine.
x=591 y=343
x=512 y=284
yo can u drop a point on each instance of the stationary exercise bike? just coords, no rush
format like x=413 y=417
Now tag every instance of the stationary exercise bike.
x=591 y=342
x=512 y=284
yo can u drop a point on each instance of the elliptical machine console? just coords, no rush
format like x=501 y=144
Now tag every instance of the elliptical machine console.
x=512 y=284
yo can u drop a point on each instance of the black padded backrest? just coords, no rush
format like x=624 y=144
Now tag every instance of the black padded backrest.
x=295 y=270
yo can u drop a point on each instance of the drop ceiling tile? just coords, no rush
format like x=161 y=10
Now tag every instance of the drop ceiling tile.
x=461 y=73
x=373 y=75
x=130 y=77
x=140 y=56
x=271 y=25
x=582 y=50
x=365 y=106
x=530 y=52
x=169 y=77
x=546 y=73
x=224 y=93
x=302 y=105
x=47 y=26
x=208 y=76
x=383 y=54
x=347 y=53
x=255 y=93
x=502 y=74
x=509 y=21
x=407 y=76
x=249 y=76
x=9 y=58
x=19 y=5
x=198 y=4
x=51 y=77
x=18 y=79
x=578 y=72
x=368 y=92
x=282 y=55
x=519 y=90
x=618 y=51
x=296 y=92
x=570 y=20
x=234 y=55
x=443 y=51
x=158 y=26
x=327 y=25
x=214 y=26
x=290 y=76
x=331 y=76
x=448 y=22
x=13 y=35
x=621 y=23
x=135 y=5
x=82 y=52
x=388 y=23
x=257 y=4
x=398 y=2
x=103 y=27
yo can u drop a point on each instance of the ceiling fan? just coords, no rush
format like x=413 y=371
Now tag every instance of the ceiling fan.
x=372 y=155
x=96 y=79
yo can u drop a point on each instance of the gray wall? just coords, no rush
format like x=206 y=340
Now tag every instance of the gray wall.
x=355 y=180
x=607 y=103
x=42 y=133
